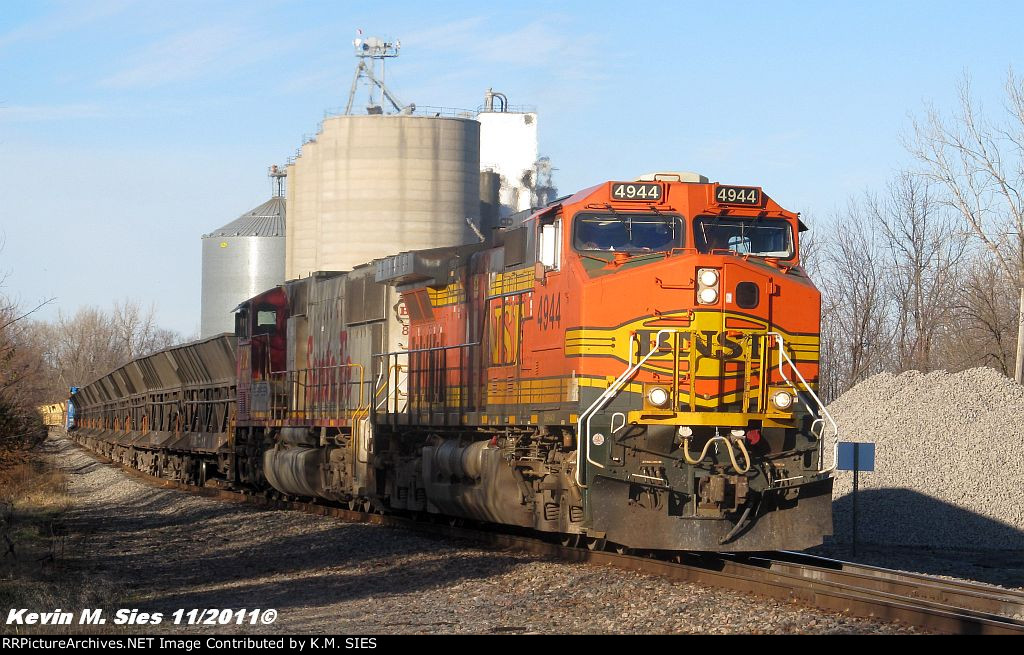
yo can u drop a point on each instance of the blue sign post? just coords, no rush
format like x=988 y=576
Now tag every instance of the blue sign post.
x=856 y=457
x=70 y=418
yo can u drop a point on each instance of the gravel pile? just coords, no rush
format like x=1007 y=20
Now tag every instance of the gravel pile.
x=949 y=460
x=168 y=550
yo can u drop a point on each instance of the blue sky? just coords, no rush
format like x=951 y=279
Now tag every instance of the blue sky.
x=128 y=128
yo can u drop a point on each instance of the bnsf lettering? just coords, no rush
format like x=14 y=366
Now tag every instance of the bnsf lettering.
x=709 y=343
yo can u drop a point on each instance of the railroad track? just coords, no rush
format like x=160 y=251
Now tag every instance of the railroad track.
x=934 y=604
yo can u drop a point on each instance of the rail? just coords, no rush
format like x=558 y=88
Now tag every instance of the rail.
x=419 y=110
x=434 y=381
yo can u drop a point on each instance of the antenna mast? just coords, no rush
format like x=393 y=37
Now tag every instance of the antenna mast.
x=277 y=177
x=374 y=51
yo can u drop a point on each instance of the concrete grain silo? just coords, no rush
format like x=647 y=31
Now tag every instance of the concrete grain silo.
x=373 y=185
x=240 y=260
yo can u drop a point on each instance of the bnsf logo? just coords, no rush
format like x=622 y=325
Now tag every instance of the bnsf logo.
x=709 y=343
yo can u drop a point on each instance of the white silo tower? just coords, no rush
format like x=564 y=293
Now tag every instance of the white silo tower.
x=509 y=148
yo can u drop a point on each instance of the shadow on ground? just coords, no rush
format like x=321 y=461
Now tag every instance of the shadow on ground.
x=170 y=549
x=939 y=537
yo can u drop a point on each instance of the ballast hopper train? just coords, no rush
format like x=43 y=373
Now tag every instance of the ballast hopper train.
x=633 y=365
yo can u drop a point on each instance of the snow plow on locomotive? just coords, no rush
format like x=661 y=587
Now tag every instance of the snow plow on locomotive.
x=633 y=365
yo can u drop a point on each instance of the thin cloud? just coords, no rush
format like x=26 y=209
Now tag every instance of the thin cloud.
x=184 y=56
x=206 y=52
x=565 y=64
x=540 y=44
x=69 y=17
x=450 y=36
x=43 y=113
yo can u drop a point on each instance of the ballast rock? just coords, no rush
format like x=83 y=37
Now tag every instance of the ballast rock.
x=949 y=460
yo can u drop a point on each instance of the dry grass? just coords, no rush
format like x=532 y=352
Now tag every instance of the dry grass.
x=34 y=572
x=33 y=498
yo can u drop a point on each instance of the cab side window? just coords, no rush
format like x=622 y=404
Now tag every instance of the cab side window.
x=266 y=320
x=549 y=245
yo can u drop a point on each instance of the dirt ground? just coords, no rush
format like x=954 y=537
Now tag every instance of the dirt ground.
x=134 y=545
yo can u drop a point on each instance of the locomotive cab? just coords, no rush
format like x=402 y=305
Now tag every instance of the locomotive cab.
x=693 y=333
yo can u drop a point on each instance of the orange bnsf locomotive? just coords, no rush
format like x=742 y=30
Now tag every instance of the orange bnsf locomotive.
x=633 y=365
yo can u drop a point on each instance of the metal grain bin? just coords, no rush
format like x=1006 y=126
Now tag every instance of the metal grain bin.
x=240 y=260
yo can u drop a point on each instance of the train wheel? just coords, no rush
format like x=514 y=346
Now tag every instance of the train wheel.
x=596 y=543
x=353 y=505
x=623 y=550
x=570 y=540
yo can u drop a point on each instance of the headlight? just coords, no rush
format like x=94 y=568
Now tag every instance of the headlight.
x=782 y=400
x=707 y=286
x=658 y=397
x=708 y=296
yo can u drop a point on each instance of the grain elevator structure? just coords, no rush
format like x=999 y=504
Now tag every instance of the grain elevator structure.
x=374 y=184
x=398 y=177
x=374 y=181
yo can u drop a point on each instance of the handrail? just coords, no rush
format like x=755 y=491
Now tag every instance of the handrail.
x=383 y=381
x=295 y=386
x=426 y=350
x=430 y=370
x=785 y=359
x=583 y=444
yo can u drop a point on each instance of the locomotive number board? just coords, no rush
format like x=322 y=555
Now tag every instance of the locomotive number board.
x=738 y=195
x=636 y=191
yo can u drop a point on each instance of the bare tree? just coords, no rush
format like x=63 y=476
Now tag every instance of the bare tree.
x=984 y=318
x=924 y=254
x=812 y=246
x=814 y=253
x=21 y=366
x=137 y=331
x=856 y=328
x=21 y=387
x=92 y=342
x=85 y=345
x=980 y=163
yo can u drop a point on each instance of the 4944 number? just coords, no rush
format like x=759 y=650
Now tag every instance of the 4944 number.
x=738 y=195
x=636 y=191
x=549 y=312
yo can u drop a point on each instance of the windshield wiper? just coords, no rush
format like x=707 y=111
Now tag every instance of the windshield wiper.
x=667 y=220
x=628 y=222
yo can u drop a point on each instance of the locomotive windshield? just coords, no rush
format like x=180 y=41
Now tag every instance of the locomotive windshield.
x=764 y=237
x=628 y=232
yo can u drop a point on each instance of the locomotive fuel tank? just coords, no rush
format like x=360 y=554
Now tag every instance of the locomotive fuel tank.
x=294 y=470
x=476 y=482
